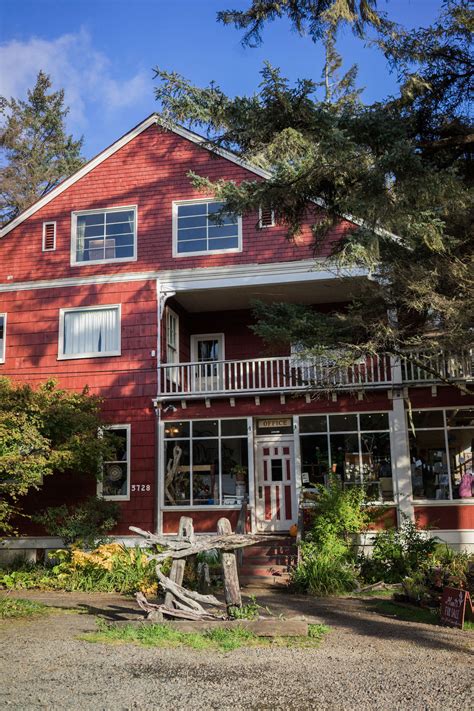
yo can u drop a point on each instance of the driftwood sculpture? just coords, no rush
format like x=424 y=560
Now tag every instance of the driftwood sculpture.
x=180 y=602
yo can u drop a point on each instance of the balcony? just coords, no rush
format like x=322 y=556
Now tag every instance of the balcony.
x=290 y=374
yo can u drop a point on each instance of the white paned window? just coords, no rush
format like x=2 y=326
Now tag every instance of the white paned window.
x=197 y=229
x=89 y=332
x=104 y=235
x=3 y=336
x=115 y=482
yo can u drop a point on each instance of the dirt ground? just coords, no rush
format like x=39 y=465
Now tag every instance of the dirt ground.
x=367 y=661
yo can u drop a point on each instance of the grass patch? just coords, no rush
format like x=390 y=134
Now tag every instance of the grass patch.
x=14 y=608
x=411 y=614
x=220 y=639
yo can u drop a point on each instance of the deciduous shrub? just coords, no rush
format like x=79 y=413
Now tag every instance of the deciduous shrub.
x=108 y=568
x=327 y=563
x=397 y=553
x=85 y=524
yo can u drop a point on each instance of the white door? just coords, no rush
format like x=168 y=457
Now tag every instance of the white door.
x=208 y=351
x=276 y=491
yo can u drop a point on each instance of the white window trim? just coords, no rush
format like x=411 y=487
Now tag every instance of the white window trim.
x=101 y=307
x=3 y=352
x=211 y=507
x=120 y=497
x=195 y=337
x=78 y=213
x=51 y=249
x=261 y=226
x=198 y=201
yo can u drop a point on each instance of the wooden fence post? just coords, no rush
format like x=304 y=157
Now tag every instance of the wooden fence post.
x=186 y=530
x=229 y=569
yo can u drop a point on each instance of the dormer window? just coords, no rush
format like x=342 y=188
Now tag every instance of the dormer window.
x=100 y=236
x=197 y=229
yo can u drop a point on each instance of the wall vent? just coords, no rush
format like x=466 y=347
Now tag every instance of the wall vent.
x=49 y=236
x=267 y=217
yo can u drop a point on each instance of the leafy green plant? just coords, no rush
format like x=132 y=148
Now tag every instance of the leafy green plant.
x=247 y=611
x=85 y=524
x=327 y=559
x=109 y=568
x=13 y=608
x=397 y=553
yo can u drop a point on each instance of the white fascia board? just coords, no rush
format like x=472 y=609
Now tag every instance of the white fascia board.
x=200 y=278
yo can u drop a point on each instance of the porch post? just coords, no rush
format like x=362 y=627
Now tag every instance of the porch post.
x=251 y=470
x=400 y=449
x=297 y=450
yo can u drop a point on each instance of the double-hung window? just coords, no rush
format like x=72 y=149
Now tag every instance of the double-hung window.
x=100 y=236
x=199 y=227
x=89 y=332
x=3 y=336
x=172 y=344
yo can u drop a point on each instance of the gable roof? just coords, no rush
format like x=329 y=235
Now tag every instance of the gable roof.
x=180 y=131
x=116 y=146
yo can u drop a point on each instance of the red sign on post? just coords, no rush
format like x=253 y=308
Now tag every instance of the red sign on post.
x=453 y=606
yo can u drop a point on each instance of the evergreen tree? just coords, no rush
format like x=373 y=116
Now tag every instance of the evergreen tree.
x=37 y=153
x=387 y=164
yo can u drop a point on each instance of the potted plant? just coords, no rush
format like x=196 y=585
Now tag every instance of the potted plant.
x=240 y=474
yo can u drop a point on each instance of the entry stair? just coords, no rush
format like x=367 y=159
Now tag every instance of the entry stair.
x=268 y=562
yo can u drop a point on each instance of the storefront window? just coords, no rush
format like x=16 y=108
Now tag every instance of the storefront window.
x=206 y=463
x=354 y=447
x=441 y=454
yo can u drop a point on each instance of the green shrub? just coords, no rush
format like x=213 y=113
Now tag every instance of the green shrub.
x=444 y=568
x=397 y=553
x=327 y=556
x=109 y=568
x=324 y=571
x=85 y=524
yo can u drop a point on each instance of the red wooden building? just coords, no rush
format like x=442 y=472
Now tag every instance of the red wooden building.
x=120 y=279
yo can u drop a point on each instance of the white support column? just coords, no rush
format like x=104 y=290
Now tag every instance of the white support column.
x=400 y=450
x=160 y=469
x=252 y=474
x=297 y=450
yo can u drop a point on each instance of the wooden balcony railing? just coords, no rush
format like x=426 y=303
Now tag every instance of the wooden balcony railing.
x=293 y=373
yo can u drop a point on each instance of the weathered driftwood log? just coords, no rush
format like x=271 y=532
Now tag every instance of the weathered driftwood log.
x=229 y=569
x=173 y=542
x=156 y=612
x=186 y=530
x=180 y=592
x=225 y=543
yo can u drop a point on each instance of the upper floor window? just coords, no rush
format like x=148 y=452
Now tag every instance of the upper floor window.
x=89 y=332
x=198 y=229
x=3 y=336
x=104 y=235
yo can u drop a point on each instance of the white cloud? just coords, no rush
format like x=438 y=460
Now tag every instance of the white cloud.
x=85 y=74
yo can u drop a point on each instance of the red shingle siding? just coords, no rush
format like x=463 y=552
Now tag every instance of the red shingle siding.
x=127 y=382
x=151 y=171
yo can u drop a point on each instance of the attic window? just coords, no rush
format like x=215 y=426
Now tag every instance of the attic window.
x=49 y=236
x=266 y=218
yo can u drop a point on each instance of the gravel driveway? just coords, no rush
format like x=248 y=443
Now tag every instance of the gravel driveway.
x=366 y=662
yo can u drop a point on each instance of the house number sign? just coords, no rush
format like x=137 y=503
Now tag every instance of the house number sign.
x=140 y=488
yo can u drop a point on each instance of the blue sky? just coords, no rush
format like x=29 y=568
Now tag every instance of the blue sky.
x=102 y=53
